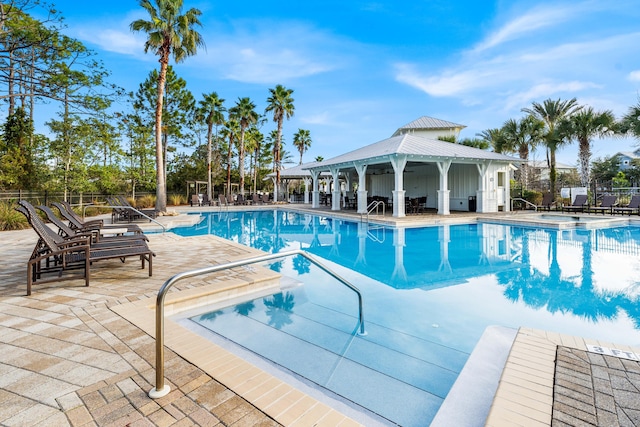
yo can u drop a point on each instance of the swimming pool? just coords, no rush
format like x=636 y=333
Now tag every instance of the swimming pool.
x=429 y=294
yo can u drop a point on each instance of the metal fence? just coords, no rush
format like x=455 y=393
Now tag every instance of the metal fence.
x=48 y=197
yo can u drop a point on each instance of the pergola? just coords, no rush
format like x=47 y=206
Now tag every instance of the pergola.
x=296 y=173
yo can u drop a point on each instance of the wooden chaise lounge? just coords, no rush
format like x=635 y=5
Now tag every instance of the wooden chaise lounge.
x=56 y=255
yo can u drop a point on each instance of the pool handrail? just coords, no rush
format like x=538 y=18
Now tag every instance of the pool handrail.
x=374 y=206
x=164 y=228
x=526 y=202
x=161 y=389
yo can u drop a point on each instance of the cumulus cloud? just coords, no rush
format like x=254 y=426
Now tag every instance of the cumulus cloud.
x=634 y=76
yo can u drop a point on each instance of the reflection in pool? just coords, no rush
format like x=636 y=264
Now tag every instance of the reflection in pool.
x=429 y=294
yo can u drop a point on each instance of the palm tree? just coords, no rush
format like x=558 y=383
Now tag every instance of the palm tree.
x=280 y=103
x=302 y=141
x=583 y=126
x=630 y=122
x=169 y=34
x=493 y=137
x=552 y=112
x=230 y=133
x=319 y=158
x=244 y=111
x=212 y=109
x=521 y=136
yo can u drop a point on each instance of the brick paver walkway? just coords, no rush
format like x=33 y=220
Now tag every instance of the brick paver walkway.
x=595 y=390
x=66 y=359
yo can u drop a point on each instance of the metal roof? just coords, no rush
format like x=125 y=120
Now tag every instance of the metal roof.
x=418 y=148
x=425 y=123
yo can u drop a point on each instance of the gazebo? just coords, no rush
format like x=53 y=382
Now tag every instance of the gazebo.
x=412 y=164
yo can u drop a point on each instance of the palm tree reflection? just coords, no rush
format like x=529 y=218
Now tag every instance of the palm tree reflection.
x=555 y=293
x=245 y=308
x=279 y=309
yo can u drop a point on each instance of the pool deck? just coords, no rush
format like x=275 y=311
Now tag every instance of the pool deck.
x=84 y=356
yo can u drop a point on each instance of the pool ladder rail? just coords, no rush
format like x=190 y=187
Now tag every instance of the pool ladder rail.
x=373 y=206
x=161 y=389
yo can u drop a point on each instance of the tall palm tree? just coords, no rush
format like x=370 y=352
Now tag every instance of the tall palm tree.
x=302 y=141
x=522 y=136
x=584 y=126
x=169 y=34
x=630 y=122
x=280 y=103
x=552 y=112
x=229 y=133
x=212 y=109
x=245 y=112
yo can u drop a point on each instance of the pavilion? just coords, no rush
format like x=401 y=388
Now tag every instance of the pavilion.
x=412 y=163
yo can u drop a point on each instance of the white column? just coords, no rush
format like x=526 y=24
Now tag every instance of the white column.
x=398 y=163
x=306 y=181
x=315 y=202
x=361 y=169
x=482 y=186
x=335 y=195
x=443 y=192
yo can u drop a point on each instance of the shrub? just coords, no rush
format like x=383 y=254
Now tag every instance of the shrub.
x=147 y=201
x=11 y=219
x=531 y=196
x=177 y=199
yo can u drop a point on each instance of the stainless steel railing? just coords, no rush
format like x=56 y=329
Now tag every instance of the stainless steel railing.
x=375 y=205
x=161 y=389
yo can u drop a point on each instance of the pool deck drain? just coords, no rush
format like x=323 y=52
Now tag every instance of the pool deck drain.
x=67 y=358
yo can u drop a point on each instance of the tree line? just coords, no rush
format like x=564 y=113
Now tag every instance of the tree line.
x=105 y=139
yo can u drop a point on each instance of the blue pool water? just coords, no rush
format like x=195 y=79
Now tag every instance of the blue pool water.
x=429 y=293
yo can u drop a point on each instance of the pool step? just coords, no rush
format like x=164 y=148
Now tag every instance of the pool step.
x=397 y=386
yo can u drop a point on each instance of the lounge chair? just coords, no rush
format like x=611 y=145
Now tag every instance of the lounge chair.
x=547 y=202
x=195 y=200
x=239 y=200
x=222 y=200
x=265 y=198
x=56 y=255
x=606 y=205
x=206 y=200
x=120 y=212
x=255 y=198
x=97 y=240
x=579 y=203
x=632 y=207
x=135 y=213
x=75 y=222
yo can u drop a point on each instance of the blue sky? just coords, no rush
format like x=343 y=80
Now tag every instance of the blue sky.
x=361 y=69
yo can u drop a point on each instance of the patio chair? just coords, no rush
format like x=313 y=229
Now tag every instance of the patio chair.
x=222 y=200
x=53 y=254
x=255 y=198
x=632 y=207
x=265 y=198
x=606 y=205
x=195 y=200
x=579 y=203
x=76 y=222
x=206 y=201
x=96 y=239
x=547 y=202
x=239 y=200
x=135 y=213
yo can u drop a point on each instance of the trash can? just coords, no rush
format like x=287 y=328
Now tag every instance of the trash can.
x=472 y=203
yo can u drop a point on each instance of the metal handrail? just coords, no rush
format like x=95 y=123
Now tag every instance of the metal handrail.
x=161 y=389
x=535 y=208
x=164 y=228
x=374 y=205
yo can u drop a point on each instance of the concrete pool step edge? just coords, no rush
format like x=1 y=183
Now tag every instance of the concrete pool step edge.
x=245 y=379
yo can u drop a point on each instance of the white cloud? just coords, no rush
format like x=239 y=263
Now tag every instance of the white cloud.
x=265 y=53
x=525 y=24
x=634 y=76
x=546 y=90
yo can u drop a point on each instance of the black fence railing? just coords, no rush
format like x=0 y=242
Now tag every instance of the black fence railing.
x=48 y=197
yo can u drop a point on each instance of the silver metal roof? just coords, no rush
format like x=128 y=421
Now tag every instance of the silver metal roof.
x=426 y=123
x=417 y=148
